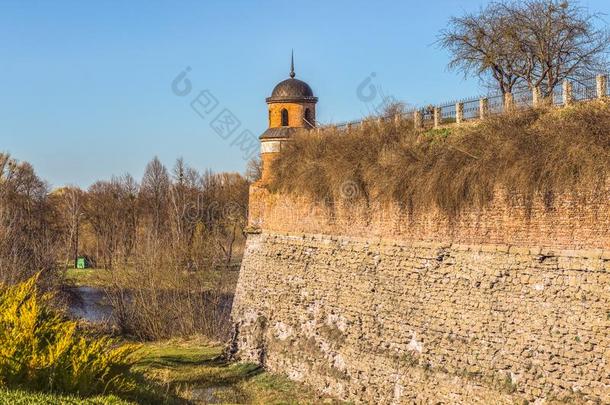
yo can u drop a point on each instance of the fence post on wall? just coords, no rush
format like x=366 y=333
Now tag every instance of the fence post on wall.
x=567 y=92
x=509 y=102
x=459 y=112
x=417 y=119
x=437 y=117
x=536 y=96
x=601 y=82
x=483 y=107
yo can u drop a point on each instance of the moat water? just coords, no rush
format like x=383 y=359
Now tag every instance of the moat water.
x=89 y=303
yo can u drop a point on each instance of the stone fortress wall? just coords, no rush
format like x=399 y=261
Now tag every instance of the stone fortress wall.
x=505 y=304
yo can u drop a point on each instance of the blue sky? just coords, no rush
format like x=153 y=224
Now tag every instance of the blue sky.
x=85 y=87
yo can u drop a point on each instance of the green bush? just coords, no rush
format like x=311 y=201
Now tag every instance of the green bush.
x=41 y=350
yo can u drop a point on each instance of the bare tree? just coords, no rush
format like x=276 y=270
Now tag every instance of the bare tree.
x=527 y=43
x=479 y=47
x=254 y=169
x=28 y=223
x=111 y=209
x=557 y=40
x=154 y=193
x=129 y=207
x=394 y=109
x=225 y=201
x=70 y=201
x=185 y=208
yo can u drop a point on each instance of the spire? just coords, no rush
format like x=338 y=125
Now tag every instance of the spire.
x=292 y=64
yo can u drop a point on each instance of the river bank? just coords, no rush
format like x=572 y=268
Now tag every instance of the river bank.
x=177 y=371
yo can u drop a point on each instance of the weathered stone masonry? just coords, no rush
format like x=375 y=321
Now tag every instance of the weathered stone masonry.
x=401 y=320
x=389 y=322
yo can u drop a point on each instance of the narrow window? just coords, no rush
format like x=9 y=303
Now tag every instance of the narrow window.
x=308 y=119
x=284 y=117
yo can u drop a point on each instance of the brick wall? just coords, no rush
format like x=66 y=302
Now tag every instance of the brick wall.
x=568 y=223
x=296 y=112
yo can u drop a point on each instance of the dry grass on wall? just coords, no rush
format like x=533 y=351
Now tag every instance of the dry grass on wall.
x=530 y=153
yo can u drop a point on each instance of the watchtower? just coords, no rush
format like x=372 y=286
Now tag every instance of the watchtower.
x=292 y=106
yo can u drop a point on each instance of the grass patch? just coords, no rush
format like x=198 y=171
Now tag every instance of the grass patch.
x=196 y=371
x=18 y=397
x=84 y=277
x=438 y=133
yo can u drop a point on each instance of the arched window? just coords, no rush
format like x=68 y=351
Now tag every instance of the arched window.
x=308 y=119
x=284 y=117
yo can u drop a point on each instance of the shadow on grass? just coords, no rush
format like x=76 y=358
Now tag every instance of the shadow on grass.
x=151 y=392
x=185 y=377
x=194 y=377
x=179 y=360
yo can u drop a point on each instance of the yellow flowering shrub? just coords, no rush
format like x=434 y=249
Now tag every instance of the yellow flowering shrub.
x=41 y=350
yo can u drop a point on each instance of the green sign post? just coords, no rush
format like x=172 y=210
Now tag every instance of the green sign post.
x=81 y=263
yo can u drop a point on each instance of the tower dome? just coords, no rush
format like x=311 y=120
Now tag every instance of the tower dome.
x=292 y=90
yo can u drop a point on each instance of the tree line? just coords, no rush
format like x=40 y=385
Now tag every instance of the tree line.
x=165 y=246
x=107 y=221
x=40 y=228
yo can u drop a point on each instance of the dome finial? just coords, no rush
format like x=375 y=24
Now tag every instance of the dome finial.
x=292 y=74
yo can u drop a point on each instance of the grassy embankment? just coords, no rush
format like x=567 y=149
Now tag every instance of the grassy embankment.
x=531 y=154
x=187 y=372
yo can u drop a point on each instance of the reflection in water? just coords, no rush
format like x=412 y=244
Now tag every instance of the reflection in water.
x=89 y=304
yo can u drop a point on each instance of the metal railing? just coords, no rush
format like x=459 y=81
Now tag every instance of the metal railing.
x=477 y=107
